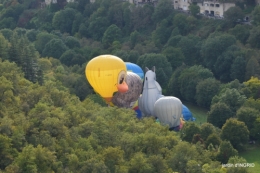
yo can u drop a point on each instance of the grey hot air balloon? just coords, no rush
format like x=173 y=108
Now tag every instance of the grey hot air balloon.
x=135 y=86
x=168 y=110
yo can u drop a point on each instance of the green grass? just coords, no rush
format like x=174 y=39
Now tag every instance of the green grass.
x=252 y=155
x=199 y=113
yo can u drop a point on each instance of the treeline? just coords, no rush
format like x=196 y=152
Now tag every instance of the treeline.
x=46 y=129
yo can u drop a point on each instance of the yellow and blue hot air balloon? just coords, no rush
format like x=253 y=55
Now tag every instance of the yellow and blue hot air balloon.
x=106 y=74
x=135 y=69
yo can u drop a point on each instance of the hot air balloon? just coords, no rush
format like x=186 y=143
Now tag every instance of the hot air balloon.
x=135 y=86
x=152 y=91
x=106 y=74
x=168 y=110
x=187 y=115
x=135 y=69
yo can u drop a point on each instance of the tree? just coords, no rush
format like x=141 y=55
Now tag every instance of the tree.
x=162 y=32
x=163 y=67
x=6 y=151
x=254 y=86
x=222 y=67
x=256 y=15
x=72 y=42
x=225 y=152
x=206 y=90
x=189 y=130
x=42 y=39
x=241 y=32
x=248 y=116
x=252 y=68
x=189 y=79
x=256 y=129
x=206 y=130
x=163 y=10
x=231 y=97
x=190 y=46
x=174 y=56
x=67 y=56
x=238 y=69
x=54 y=48
x=180 y=21
x=139 y=163
x=194 y=9
x=237 y=168
x=218 y=114
x=3 y=47
x=214 y=46
x=236 y=132
x=254 y=37
x=213 y=139
x=233 y=14
x=112 y=33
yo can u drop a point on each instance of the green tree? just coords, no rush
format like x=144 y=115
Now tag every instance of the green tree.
x=206 y=90
x=3 y=47
x=42 y=39
x=189 y=130
x=231 y=97
x=241 y=32
x=162 y=32
x=190 y=78
x=112 y=33
x=163 y=67
x=248 y=116
x=254 y=86
x=163 y=10
x=174 y=56
x=206 y=130
x=194 y=9
x=256 y=129
x=252 y=68
x=213 y=139
x=6 y=151
x=214 y=46
x=256 y=15
x=218 y=114
x=72 y=42
x=236 y=132
x=180 y=21
x=238 y=69
x=254 y=37
x=54 y=48
x=236 y=160
x=139 y=163
x=233 y=14
x=225 y=152
x=190 y=46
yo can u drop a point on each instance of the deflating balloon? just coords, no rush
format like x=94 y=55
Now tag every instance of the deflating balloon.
x=106 y=74
x=135 y=69
x=187 y=115
x=168 y=110
x=135 y=86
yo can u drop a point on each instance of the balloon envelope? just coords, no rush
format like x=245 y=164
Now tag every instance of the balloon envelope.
x=187 y=115
x=135 y=86
x=135 y=69
x=168 y=110
x=106 y=74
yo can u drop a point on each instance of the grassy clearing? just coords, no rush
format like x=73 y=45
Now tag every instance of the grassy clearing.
x=252 y=155
x=199 y=113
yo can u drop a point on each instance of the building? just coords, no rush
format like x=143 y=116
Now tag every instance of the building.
x=214 y=7
x=48 y=2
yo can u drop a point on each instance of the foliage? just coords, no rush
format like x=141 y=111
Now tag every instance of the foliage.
x=218 y=114
x=236 y=132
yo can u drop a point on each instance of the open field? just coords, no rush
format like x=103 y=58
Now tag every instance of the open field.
x=252 y=155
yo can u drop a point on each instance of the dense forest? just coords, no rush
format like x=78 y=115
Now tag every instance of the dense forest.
x=51 y=120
